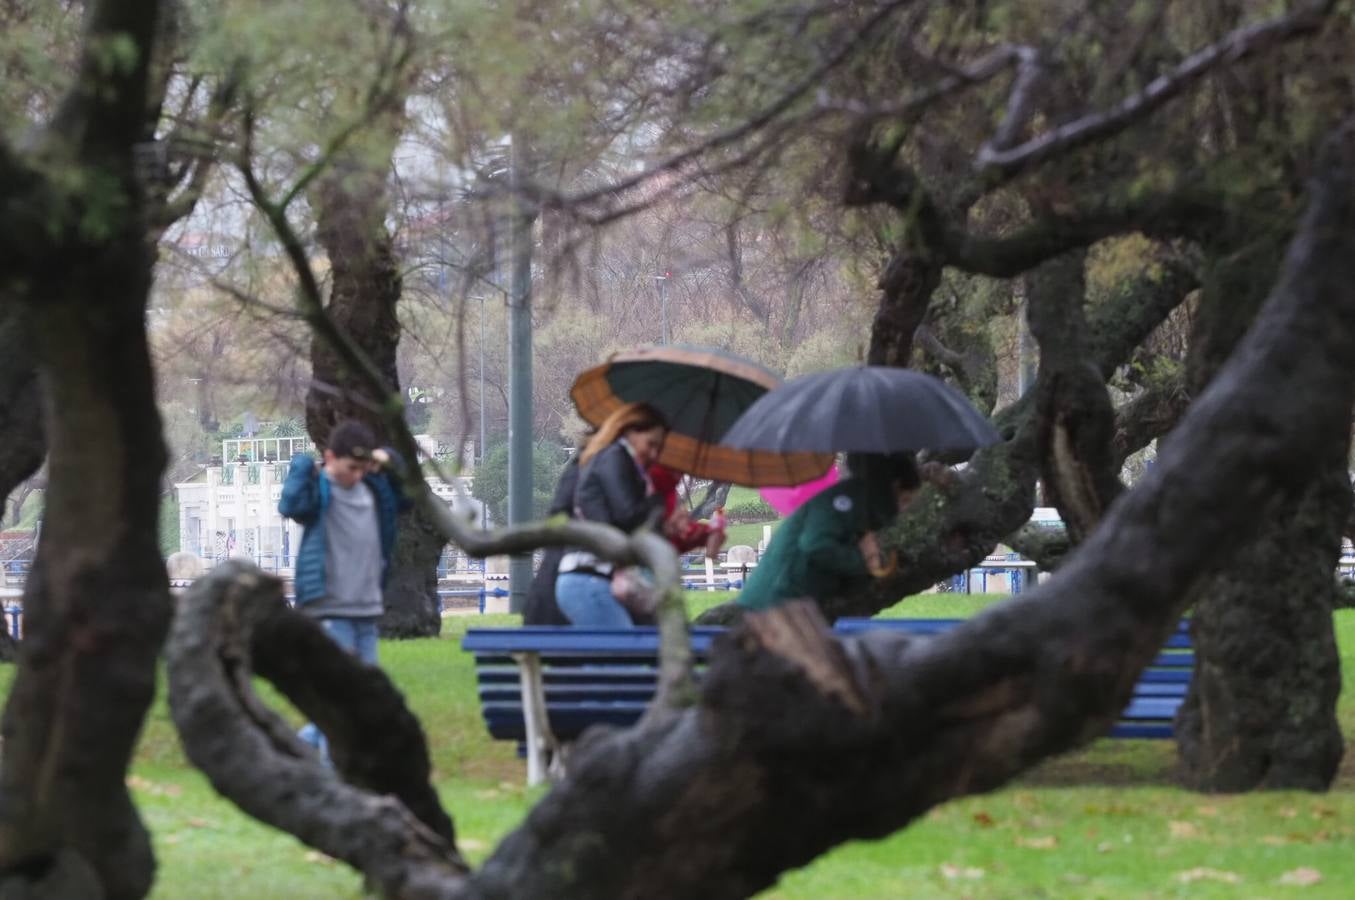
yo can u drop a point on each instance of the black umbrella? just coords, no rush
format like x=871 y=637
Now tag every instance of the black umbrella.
x=867 y=409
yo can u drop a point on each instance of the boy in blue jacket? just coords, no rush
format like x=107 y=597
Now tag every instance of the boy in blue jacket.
x=348 y=506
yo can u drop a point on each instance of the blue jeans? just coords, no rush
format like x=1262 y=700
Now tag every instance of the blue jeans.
x=358 y=637
x=587 y=601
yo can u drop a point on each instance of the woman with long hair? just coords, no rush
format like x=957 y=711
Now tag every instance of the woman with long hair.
x=614 y=487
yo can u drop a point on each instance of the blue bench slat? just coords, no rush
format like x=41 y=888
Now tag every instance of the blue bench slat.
x=1178 y=639
x=607 y=676
x=638 y=693
x=573 y=675
x=1166 y=676
x=548 y=640
x=1163 y=708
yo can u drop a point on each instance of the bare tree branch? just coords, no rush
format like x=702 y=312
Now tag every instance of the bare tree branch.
x=993 y=159
x=859 y=37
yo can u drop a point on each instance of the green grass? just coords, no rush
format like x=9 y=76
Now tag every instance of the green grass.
x=740 y=494
x=748 y=533
x=1104 y=822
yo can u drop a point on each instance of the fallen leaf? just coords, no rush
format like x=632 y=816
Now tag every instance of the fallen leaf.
x=1207 y=810
x=1323 y=812
x=172 y=838
x=315 y=856
x=1183 y=829
x=1047 y=842
x=1203 y=873
x=1105 y=847
x=1288 y=812
x=1303 y=877
x=984 y=820
x=959 y=873
x=470 y=844
x=1276 y=840
x=197 y=823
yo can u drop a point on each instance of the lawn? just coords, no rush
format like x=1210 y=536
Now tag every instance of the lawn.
x=1105 y=822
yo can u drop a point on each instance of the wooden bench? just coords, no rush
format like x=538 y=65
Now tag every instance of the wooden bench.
x=543 y=686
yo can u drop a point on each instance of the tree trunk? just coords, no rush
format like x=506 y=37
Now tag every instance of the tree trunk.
x=97 y=601
x=1074 y=414
x=413 y=608
x=1261 y=709
x=906 y=286
x=350 y=210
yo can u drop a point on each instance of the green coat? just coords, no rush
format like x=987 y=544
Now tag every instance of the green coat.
x=814 y=553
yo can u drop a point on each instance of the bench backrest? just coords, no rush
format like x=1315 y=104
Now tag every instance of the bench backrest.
x=607 y=676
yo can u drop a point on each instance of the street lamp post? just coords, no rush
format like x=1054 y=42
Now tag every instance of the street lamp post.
x=481 y=455
x=521 y=228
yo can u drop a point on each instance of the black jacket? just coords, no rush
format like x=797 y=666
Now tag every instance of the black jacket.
x=540 y=608
x=613 y=490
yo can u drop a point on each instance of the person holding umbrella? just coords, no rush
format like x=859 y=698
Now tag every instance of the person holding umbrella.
x=827 y=547
x=883 y=416
x=614 y=487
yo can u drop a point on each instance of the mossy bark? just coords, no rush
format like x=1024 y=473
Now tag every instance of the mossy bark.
x=1261 y=711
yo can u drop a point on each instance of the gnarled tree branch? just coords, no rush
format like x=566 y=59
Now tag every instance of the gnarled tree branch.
x=226 y=621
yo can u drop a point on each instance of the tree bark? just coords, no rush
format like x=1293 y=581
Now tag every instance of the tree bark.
x=1075 y=418
x=97 y=602
x=1262 y=708
x=1260 y=712
x=351 y=205
x=906 y=289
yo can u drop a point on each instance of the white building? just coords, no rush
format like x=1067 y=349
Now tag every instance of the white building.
x=232 y=509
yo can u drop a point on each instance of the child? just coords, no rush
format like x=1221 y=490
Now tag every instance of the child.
x=348 y=506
